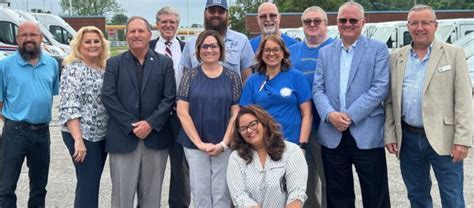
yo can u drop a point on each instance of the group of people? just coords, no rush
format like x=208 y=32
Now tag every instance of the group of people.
x=266 y=122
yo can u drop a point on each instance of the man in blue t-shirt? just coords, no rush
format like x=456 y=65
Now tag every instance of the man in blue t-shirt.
x=304 y=57
x=268 y=19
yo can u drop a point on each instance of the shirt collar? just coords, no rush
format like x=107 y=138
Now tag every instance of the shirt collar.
x=351 y=47
x=163 y=40
x=23 y=62
x=413 y=53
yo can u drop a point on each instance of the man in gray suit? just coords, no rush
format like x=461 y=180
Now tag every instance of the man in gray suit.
x=350 y=84
x=138 y=93
x=430 y=109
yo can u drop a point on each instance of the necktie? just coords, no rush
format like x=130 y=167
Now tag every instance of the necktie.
x=168 y=49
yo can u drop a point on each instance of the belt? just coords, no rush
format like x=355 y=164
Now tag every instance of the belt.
x=418 y=130
x=24 y=124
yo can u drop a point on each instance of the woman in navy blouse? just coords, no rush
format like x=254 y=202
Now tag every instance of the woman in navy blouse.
x=207 y=104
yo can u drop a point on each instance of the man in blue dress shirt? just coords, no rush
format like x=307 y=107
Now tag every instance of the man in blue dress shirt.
x=28 y=81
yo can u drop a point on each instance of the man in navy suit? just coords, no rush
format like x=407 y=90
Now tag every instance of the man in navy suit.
x=350 y=84
x=167 y=21
x=138 y=92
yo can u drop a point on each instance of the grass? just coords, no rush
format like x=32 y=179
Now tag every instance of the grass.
x=116 y=50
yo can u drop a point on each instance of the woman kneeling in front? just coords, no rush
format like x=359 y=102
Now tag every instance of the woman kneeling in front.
x=264 y=170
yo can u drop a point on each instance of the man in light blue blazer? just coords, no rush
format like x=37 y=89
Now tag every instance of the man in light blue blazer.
x=350 y=83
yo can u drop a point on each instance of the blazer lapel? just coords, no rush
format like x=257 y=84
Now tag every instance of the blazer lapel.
x=336 y=66
x=358 y=56
x=131 y=69
x=150 y=61
x=437 y=51
x=399 y=72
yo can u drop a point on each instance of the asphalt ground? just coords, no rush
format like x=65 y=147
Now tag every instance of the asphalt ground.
x=61 y=184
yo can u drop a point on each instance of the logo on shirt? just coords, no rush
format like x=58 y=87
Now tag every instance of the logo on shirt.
x=285 y=92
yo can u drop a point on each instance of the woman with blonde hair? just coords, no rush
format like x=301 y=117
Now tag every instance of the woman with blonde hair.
x=82 y=113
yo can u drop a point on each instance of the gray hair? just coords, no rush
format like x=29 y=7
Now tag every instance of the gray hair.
x=421 y=7
x=140 y=18
x=315 y=9
x=167 y=11
x=351 y=3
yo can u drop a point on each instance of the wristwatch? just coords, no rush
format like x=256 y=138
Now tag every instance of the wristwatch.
x=304 y=145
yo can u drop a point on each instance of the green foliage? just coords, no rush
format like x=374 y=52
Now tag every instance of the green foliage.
x=91 y=7
x=238 y=11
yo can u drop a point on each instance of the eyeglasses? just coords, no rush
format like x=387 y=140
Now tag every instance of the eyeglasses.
x=275 y=51
x=214 y=10
x=212 y=46
x=165 y=22
x=353 y=21
x=316 y=22
x=253 y=125
x=31 y=35
x=264 y=17
x=423 y=23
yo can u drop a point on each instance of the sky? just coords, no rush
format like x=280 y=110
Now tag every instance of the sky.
x=191 y=11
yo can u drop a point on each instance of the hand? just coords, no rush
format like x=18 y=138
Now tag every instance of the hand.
x=459 y=153
x=215 y=149
x=141 y=129
x=80 y=151
x=204 y=146
x=340 y=121
x=392 y=148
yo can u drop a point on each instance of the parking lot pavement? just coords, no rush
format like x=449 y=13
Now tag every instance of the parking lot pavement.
x=62 y=180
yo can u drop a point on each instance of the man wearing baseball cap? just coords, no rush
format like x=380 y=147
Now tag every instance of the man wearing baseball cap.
x=239 y=53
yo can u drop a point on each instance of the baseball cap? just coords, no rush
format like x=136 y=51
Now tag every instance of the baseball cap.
x=221 y=3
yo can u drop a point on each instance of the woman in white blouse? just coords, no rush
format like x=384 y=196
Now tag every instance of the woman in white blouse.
x=264 y=170
x=82 y=112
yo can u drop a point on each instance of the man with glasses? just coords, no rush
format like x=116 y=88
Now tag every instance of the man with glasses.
x=430 y=110
x=28 y=80
x=167 y=21
x=304 y=56
x=350 y=84
x=268 y=19
x=238 y=52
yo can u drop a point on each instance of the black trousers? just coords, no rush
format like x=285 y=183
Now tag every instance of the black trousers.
x=371 y=168
x=180 y=190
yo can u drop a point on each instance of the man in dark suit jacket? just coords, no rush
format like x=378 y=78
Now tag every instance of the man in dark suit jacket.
x=138 y=92
x=167 y=21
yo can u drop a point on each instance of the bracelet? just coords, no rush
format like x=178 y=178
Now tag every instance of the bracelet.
x=224 y=146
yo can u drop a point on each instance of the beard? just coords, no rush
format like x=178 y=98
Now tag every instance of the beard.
x=269 y=30
x=29 y=53
x=221 y=27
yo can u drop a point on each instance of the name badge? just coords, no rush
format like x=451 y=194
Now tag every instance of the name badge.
x=444 y=68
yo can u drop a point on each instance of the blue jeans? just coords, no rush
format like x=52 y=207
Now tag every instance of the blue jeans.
x=416 y=157
x=20 y=142
x=88 y=172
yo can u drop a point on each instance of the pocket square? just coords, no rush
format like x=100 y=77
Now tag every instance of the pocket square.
x=444 y=68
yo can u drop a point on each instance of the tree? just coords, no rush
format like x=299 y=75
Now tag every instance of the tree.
x=119 y=19
x=238 y=11
x=91 y=7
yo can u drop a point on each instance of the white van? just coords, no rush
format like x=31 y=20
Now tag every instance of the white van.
x=60 y=29
x=64 y=47
x=9 y=22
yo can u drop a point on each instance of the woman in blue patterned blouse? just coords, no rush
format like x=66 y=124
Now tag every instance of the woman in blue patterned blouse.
x=264 y=170
x=82 y=112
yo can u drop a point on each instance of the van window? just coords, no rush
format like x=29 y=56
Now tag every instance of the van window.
x=468 y=31
x=406 y=38
x=60 y=34
x=8 y=32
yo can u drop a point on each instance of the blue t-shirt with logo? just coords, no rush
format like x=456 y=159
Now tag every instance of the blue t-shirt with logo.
x=305 y=59
x=280 y=97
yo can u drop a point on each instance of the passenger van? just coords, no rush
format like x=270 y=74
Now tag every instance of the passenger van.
x=60 y=29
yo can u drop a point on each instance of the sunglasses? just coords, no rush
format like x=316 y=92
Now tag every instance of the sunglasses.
x=351 y=20
x=212 y=46
x=308 y=22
